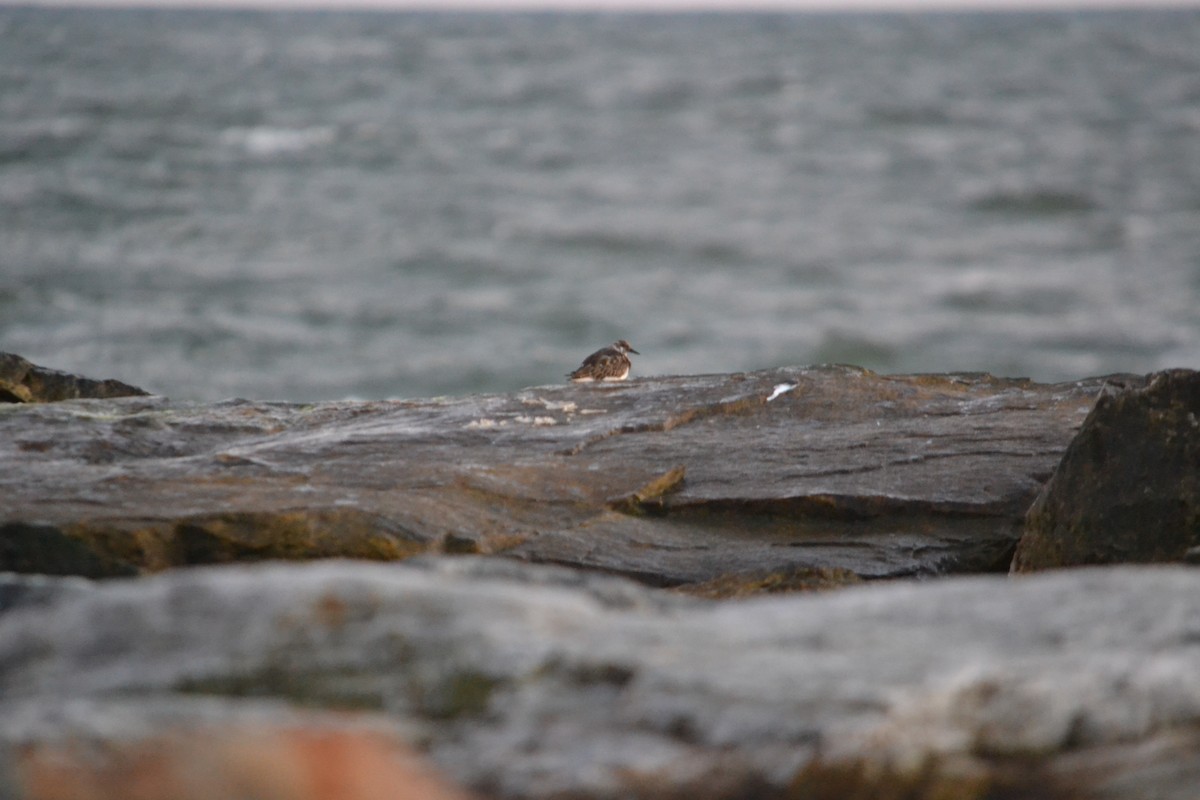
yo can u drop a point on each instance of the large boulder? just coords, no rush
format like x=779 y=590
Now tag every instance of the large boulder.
x=1128 y=487
x=523 y=681
x=729 y=481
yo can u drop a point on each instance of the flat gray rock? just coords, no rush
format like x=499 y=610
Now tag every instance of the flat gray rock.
x=534 y=682
x=673 y=480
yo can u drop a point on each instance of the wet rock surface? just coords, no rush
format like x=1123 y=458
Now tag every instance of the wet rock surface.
x=1128 y=487
x=24 y=382
x=528 y=681
x=674 y=481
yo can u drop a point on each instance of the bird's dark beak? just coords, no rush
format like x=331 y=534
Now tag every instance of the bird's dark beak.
x=634 y=351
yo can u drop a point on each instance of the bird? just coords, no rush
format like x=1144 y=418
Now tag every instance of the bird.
x=606 y=364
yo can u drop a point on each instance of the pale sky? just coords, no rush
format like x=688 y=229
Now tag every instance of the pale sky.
x=638 y=5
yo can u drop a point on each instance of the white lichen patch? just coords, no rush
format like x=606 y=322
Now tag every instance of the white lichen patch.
x=486 y=424
x=524 y=420
x=565 y=406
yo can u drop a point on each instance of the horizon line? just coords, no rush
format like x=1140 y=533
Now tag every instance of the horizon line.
x=630 y=6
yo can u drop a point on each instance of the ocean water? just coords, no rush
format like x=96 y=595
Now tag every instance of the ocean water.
x=307 y=206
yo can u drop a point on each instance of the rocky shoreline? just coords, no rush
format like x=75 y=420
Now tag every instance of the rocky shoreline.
x=541 y=633
x=672 y=481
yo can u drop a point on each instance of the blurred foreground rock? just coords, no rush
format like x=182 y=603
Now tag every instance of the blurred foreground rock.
x=724 y=483
x=207 y=761
x=1128 y=488
x=522 y=681
x=24 y=382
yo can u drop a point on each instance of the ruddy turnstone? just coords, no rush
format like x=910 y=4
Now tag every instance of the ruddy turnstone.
x=606 y=364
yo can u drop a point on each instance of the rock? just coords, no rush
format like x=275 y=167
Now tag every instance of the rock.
x=673 y=481
x=535 y=682
x=20 y=591
x=46 y=550
x=735 y=587
x=200 y=760
x=1128 y=487
x=23 y=382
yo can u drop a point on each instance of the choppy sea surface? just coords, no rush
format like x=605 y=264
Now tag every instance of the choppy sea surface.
x=307 y=206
